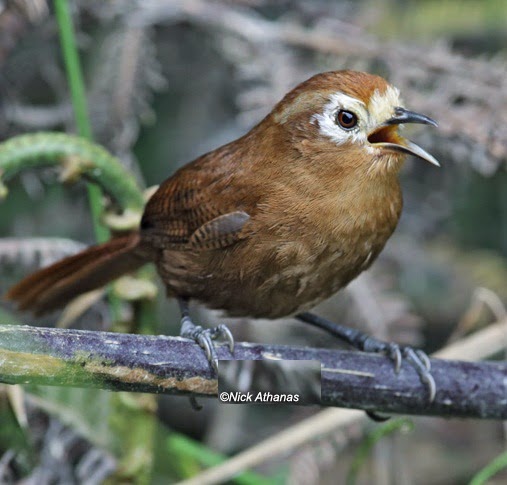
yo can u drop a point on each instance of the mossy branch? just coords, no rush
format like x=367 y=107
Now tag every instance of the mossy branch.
x=77 y=157
x=173 y=365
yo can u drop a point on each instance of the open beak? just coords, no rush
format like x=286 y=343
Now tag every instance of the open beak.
x=385 y=136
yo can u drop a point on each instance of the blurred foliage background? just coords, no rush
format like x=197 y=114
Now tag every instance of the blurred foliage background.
x=166 y=81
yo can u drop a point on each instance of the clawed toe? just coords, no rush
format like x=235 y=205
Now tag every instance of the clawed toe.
x=417 y=359
x=223 y=331
x=205 y=337
x=393 y=351
x=422 y=365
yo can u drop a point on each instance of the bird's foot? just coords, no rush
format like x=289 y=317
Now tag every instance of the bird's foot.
x=205 y=338
x=362 y=341
x=418 y=359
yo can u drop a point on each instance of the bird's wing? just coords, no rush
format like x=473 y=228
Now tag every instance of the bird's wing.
x=189 y=211
x=220 y=232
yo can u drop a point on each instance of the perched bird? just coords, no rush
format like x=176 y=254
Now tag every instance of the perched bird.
x=270 y=224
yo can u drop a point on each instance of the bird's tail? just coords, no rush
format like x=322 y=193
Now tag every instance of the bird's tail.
x=53 y=287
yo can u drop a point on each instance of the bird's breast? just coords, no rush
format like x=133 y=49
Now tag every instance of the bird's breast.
x=328 y=246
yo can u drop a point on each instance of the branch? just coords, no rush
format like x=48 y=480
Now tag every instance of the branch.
x=172 y=365
x=480 y=345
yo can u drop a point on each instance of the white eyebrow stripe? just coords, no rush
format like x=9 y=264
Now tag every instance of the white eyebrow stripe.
x=326 y=119
x=344 y=100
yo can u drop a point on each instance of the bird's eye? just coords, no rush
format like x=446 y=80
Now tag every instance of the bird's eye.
x=346 y=119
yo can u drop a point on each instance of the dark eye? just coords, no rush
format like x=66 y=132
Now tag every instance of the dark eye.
x=346 y=119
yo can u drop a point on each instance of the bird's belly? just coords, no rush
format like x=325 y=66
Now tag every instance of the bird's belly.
x=265 y=280
x=301 y=286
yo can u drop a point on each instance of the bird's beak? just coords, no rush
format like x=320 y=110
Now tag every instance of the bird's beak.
x=384 y=136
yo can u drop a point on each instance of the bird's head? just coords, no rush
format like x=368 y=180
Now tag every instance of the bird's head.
x=352 y=116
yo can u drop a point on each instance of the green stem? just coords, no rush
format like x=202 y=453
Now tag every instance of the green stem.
x=77 y=157
x=491 y=469
x=76 y=84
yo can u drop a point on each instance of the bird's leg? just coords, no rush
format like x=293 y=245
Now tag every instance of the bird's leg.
x=362 y=341
x=203 y=336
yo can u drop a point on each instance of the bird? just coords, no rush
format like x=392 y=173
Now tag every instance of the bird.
x=271 y=224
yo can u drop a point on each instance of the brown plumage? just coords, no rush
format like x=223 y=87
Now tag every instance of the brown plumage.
x=54 y=286
x=272 y=223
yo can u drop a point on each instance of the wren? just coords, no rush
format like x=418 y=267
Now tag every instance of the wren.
x=272 y=223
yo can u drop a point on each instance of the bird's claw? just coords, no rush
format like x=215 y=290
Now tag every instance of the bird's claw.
x=417 y=359
x=223 y=331
x=205 y=336
x=422 y=365
x=394 y=353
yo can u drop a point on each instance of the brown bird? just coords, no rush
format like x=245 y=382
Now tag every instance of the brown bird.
x=272 y=223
